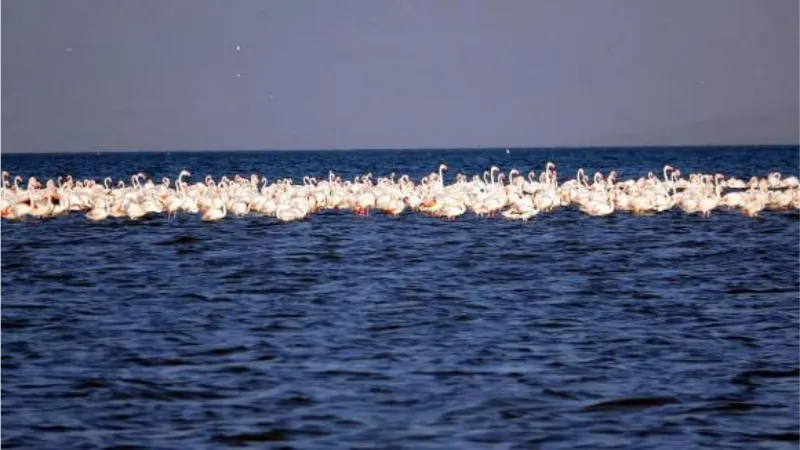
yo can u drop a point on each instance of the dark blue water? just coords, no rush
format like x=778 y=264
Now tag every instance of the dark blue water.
x=569 y=331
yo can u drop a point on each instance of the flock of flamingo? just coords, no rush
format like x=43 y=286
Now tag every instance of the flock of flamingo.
x=514 y=196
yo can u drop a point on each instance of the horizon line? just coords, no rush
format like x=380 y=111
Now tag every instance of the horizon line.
x=361 y=149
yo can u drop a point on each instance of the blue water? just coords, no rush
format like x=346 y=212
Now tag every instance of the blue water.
x=670 y=331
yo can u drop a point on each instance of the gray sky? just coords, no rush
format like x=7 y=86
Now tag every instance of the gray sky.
x=159 y=74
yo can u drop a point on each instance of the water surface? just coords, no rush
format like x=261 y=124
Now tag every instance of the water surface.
x=569 y=331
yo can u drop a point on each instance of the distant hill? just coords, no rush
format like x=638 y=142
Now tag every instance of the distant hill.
x=781 y=127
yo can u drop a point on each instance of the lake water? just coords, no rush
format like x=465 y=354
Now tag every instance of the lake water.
x=569 y=331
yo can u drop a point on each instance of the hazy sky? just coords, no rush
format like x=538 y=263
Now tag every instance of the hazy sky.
x=158 y=74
